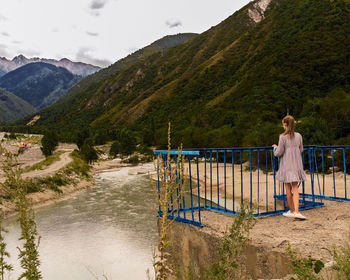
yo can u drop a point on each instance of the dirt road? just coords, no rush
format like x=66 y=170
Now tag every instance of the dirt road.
x=50 y=170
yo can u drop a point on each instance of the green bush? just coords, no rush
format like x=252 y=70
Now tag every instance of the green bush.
x=49 y=143
x=115 y=149
x=88 y=151
x=81 y=137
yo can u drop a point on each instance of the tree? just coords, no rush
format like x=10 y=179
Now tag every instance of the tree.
x=81 y=137
x=115 y=149
x=88 y=152
x=127 y=142
x=49 y=143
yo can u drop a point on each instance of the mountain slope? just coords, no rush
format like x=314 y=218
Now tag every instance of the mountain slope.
x=2 y=73
x=77 y=68
x=159 y=45
x=230 y=85
x=13 y=107
x=40 y=84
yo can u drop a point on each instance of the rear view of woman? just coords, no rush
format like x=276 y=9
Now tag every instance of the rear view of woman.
x=291 y=172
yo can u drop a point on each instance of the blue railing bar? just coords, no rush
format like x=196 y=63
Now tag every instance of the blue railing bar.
x=171 y=194
x=267 y=182
x=311 y=175
x=176 y=152
x=196 y=151
x=190 y=175
x=205 y=180
x=182 y=220
x=199 y=197
x=211 y=178
x=303 y=184
x=190 y=209
x=158 y=186
x=233 y=181
x=274 y=177
x=178 y=189
x=316 y=167
x=328 y=197
x=323 y=172
x=241 y=179
x=335 y=195
x=183 y=197
x=258 y=184
x=344 y=173
x=217 y=177
x=251 y=180
x=225 y=176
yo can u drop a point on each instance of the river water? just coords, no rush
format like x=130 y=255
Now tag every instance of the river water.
x=108 y=230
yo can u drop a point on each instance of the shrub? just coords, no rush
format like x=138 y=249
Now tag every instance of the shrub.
x=49 y=143
x=81 y=137
x=88 y=152
x=115 y=149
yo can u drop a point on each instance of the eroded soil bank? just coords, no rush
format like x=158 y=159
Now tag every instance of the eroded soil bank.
x=193 y=248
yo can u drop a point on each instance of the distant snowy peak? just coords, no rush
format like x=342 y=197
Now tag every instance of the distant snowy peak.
x=77 y=68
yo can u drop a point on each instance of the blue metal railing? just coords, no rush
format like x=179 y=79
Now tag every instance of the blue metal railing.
x=247 y=176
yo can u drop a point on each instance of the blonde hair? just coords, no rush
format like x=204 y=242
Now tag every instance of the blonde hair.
x=290 y=122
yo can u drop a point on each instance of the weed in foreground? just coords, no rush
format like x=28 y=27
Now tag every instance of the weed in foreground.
x=168 y=193
x=16 y=189
x=234 y=243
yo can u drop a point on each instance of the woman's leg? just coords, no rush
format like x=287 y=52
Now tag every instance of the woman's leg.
x=289 y=196
x=295 y=191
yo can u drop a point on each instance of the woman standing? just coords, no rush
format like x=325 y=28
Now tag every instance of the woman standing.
x=291 y=172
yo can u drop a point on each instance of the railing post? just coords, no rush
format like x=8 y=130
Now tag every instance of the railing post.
x=251 y=180
x=346 y=196
x=205 y=179
x=335 y=193
x=217 y=177
x=225 y=177
x=199 y=197
x=233 y=182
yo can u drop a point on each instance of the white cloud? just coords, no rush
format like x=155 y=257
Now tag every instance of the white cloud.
x=5 y=34
x=94 y=34
x=173 y=23
x=84 y=55
x=97 y=4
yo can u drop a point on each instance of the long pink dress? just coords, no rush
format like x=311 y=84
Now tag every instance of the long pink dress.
x=291 y=165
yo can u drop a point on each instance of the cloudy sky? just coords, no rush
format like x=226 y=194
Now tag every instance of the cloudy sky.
x=101 y=31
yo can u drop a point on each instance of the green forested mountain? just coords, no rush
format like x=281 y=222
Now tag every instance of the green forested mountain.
x=40 y=84
x=89 y=83
x=12 y=107
x=231 y=85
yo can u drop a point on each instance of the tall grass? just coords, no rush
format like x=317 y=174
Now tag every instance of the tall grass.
x=16 y=189
x=168 y=194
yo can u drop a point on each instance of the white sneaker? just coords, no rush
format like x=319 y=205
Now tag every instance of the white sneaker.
x=299 y=216
x=288 y=214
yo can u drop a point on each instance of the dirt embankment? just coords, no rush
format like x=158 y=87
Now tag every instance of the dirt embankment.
x=266 y=257
x=34 y=155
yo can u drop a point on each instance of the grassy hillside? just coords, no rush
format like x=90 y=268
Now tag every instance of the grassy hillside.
x=12 y=107
x=231 y=85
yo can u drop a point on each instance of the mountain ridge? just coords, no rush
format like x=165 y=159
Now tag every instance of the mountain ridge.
x=77 y=68
x=40 y=84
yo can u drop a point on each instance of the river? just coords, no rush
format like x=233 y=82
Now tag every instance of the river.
x=108 y=230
